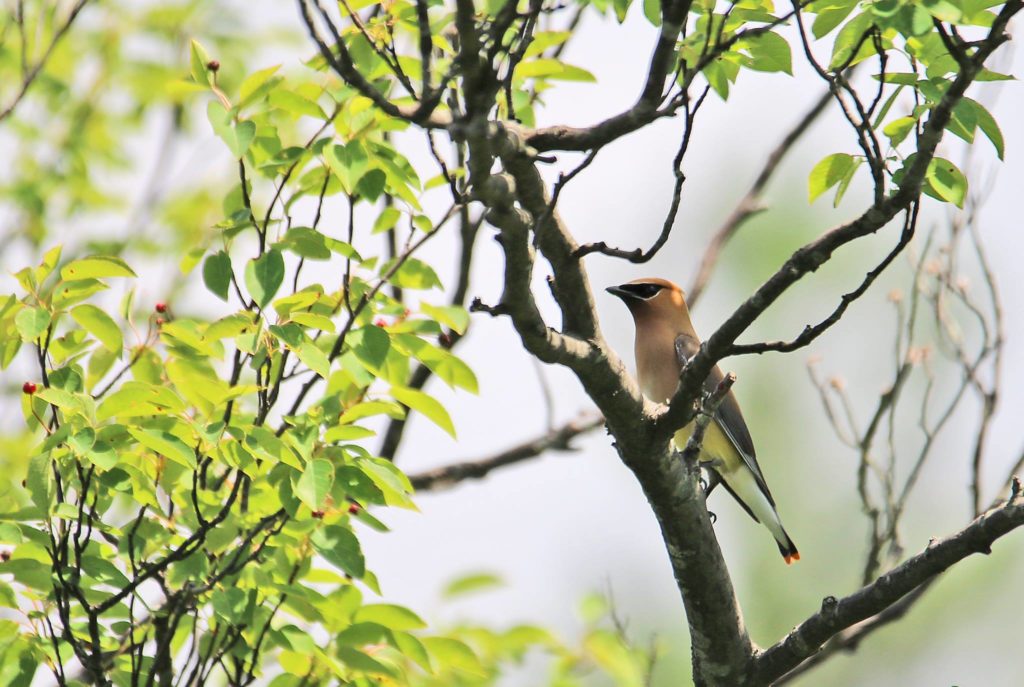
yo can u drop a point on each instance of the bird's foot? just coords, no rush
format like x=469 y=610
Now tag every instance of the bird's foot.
x=714 y=518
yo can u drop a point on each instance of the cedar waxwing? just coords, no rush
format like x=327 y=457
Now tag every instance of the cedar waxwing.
x=665 y=340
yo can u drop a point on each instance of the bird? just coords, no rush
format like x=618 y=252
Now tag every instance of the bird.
x=665 y=341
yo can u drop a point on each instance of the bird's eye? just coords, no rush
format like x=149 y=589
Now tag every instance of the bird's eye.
x=647 y=291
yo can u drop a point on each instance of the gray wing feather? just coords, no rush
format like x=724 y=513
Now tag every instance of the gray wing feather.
x=729 y=416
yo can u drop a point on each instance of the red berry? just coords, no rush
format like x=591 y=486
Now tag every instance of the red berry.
x=5 y=556
x=353 y=509
x=161 y=307
x=445 y=339
x=380 y=322
x=213 y=65
x=318 y=514
x=29 y=388
x=159 y=321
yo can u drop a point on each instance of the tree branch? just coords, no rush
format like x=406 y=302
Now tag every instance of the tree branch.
x=30 y=73
x=836 y=615
x=554 y=440
x=750 y=204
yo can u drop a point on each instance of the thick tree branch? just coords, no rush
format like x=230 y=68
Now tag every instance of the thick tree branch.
x=554 y=440
x=836 y=615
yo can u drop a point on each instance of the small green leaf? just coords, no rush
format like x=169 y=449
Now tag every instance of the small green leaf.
x=987 y=124
x=453 y=316
x=946 y=182
x=217 y=274
x=470 y=584
x=371 y=345
x=652 y=10
x=898 y=129
x=100 y=325
x=39 y=482
x=165 y=444
x=827 y=173
x=264 y=276
x=31 y=323
x=96 y=267
x=770 y=52
x=849 y=39
x=341 y=548
x=238 y=137
x=425 y=404
x=314 y=358
x=552 y=69
x=390 y=616
x=198 y=59
x=315 y=483
x=831 y=16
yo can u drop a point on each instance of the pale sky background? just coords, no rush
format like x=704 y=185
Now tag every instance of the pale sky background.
x=560 y=526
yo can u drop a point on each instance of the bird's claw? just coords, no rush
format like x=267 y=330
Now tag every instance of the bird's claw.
x=714 y=518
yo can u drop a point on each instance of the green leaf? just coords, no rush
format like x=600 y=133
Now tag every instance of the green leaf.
x=371 y=345
x=136 y=399
x=348 y=163
x=453 y=654
x=40 y=483
x=652 y=10
x=100 y=325
x=31 y=323
x=314 y=358
x=390 y=616
x=238 y=137
x=849 y=39
x=413 y=274
x=987 y=124
x=470 y=584
x=552 y=70
x=313 y=321
x=264 y=276
x=307 y=243
x=387 y=219
x=96 y=267
x=898 y=129
x=254 y=83
x=425 y=404
x=217 y=274
x=165 y=444
x=770 y=52
x=340 y=547
x=827 y=173
x=453 y=316
x=198 y=59
x=315 y=483
x=831 y=16
x=946 y=182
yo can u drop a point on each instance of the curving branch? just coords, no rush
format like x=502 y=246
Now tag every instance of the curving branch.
x=558 y=439
x=750 y=204
x=836 y=615
x=30 y=73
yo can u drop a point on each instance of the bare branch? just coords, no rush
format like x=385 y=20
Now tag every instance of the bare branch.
x=29 y=74
x=557 y=439
x=837 y=615
x=750 y=204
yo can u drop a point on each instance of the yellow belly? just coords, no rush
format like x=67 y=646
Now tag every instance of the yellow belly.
x=716 y=449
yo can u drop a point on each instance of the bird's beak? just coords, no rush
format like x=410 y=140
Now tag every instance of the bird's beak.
x=621 y=293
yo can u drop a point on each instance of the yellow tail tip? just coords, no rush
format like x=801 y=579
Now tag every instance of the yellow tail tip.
x=795 y=556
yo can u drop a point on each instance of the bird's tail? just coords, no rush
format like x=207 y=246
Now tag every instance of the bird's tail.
x=745 y=489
